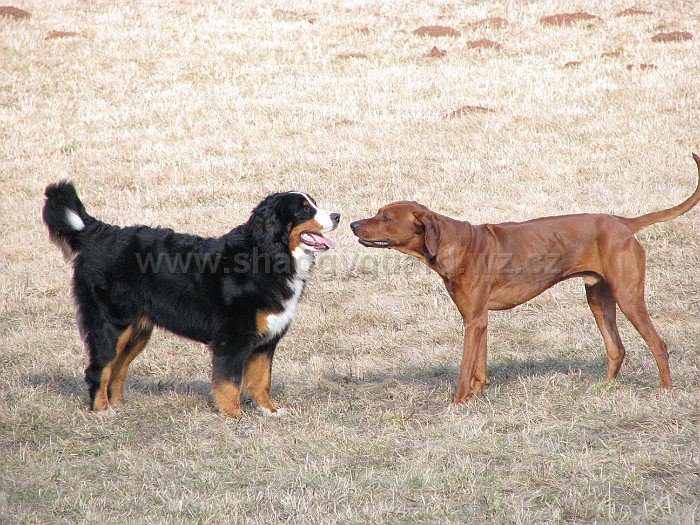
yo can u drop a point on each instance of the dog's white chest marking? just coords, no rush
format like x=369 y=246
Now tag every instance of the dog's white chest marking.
x=278 y=322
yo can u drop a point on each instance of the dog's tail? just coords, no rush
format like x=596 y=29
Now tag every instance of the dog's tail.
x=65 y=217
x=638 y=223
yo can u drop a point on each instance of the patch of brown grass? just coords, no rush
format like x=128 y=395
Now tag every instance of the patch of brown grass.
x=52 y=35
x=9 y=11
x=186 y=114
x=436 y=31
x=566 y=19
x=672 y=36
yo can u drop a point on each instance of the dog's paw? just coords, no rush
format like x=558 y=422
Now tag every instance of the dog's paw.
x=104 y=413
x=278 y=412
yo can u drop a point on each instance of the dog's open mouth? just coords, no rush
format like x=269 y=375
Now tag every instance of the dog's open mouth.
x=375 y=244
x=317 y=241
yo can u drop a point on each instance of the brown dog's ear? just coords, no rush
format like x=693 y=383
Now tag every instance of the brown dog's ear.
x=432 y=231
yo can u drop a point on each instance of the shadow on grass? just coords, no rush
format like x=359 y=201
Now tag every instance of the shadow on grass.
x=430 y=376
x=500 y=372
x=74 y=388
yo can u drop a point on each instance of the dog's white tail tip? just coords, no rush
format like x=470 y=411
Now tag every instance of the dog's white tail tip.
x=74 y=220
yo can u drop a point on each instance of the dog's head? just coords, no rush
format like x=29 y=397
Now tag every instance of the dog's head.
x=405 y=226
x=295 y=219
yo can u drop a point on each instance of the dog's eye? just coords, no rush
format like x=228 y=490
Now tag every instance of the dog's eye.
x=385 y=218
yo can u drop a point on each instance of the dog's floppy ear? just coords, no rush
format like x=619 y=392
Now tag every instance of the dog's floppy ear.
x=264 y=224
x=431 y=237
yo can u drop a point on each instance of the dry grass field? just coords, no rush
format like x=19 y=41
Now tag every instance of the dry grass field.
x=187 y=113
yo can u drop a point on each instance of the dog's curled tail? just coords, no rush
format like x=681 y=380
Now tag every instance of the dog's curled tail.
x=665 y=215
x=65 y=217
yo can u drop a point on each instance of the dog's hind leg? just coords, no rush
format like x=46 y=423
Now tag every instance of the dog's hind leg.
x=105 y=346
x=626 y=277
x=635 y=310
x=604 y=309
x=141 y=332
x=228 y=363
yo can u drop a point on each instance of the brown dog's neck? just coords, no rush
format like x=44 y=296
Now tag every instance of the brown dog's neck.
x=455 y=239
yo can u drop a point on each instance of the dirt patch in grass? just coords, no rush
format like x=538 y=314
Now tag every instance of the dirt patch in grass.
x=483 y=43
x=13 y=12
x=643 y=66
x=567 y=19
x=672 y=36
x=436 y=31
x=342 y=122
x=51 y=35
x=496 y=22
x=435 y=52
x=631 y=11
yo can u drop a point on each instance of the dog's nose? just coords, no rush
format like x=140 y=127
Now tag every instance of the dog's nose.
x=355 y=225
x=335 y=217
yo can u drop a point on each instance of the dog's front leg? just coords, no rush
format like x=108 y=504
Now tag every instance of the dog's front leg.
x=470 y=294
x=472 y=371
x=257 y=377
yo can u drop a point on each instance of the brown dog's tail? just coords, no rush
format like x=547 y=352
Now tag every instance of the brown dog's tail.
x=665 y=215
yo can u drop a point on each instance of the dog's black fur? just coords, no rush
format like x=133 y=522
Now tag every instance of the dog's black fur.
x=218 y=291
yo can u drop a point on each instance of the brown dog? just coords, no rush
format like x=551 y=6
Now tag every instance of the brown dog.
x=499 y=266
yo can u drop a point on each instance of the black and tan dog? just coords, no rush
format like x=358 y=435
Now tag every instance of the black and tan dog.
x=237 y=293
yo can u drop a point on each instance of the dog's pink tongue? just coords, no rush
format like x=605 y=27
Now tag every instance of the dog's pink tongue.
x=320 y=239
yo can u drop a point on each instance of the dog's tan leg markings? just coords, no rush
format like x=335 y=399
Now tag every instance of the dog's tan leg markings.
x=228 y=397
x=101 y=401
x=136 y=344
x=261 y=322
x=256 y=380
